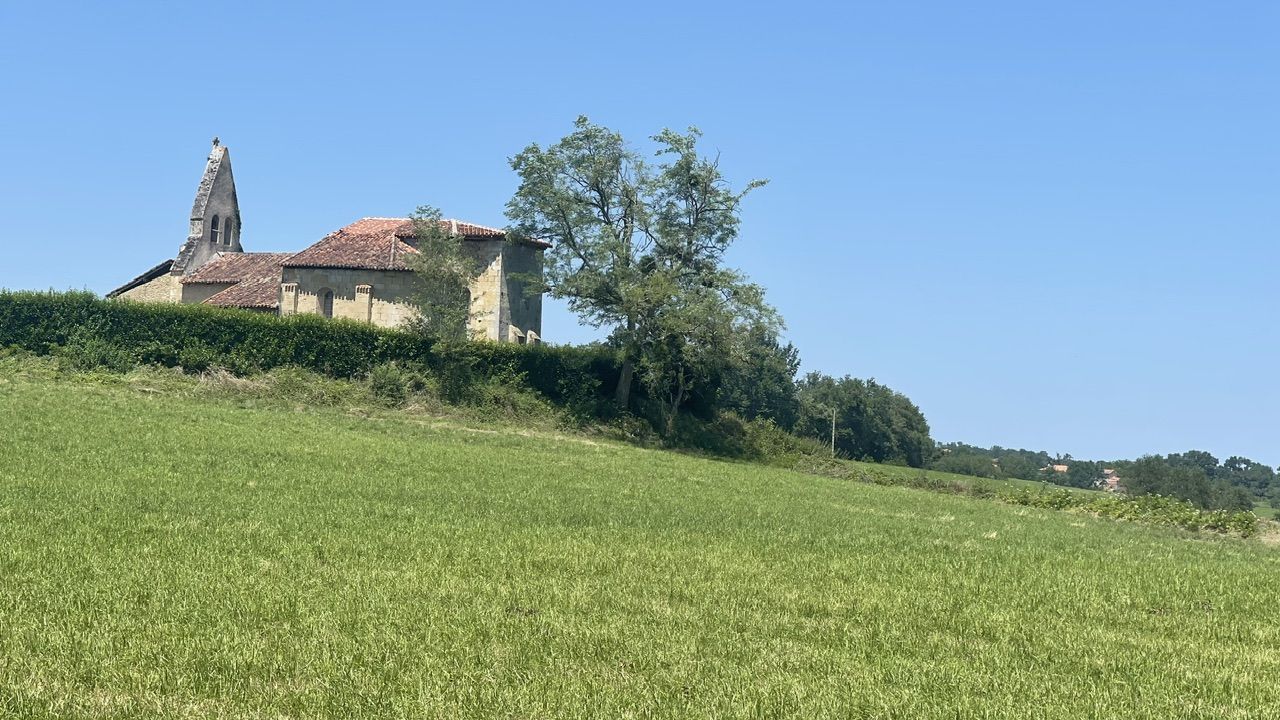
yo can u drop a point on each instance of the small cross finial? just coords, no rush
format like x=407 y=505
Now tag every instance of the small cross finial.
x=215 y=141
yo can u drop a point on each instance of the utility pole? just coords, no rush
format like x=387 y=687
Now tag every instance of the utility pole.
x=833 y=432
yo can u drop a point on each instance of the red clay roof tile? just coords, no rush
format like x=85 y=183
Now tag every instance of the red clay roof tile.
x=379 y=244
x=254 y=293
x=235 y=267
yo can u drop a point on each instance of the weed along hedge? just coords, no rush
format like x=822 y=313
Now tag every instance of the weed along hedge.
x=112 y=332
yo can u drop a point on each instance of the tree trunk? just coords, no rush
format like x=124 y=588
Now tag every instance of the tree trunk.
x=677 y=399
x=622 y=395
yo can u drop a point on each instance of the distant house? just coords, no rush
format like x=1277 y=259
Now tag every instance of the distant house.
x=1055 y=468
x=1109 y=481
x=359 y=272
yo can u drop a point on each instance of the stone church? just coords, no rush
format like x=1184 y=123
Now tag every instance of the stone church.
x=358 y=272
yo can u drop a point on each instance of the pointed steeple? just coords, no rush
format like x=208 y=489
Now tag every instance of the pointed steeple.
x=215 y=215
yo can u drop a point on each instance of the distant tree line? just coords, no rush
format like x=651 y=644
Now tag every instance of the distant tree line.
x=994 y=462
x=1195 y=476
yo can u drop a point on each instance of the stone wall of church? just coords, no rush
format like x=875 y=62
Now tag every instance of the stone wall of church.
x=486 y=291
x=380 y=297
x=199 y=292
x=523 y=312
x=500 y=310
x=162 y=289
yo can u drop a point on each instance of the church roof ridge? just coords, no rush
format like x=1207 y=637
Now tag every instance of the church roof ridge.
x=453 y=222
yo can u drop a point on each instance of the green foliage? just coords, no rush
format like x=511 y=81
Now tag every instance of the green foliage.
x=769 y=443
x=687 y=342
x=965 y=463
x=758 y=380
x=86 y=350
x=1185 y=478
x=445 y=269
x=1150 y=509
x=872 y=421
x=638 y=249
x=507 y=393
x=301 y=388
x=390 y=383
x=995 y=462
x=1082 y=474
x=196 y=338
x=724 y=435
x=1195 y=475
x=1260 y=480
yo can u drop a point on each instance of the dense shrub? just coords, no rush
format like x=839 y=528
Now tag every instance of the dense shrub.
x=85 y=350
x=723 y=435
x=769 y=442
x=389 y=383
x=92 y=332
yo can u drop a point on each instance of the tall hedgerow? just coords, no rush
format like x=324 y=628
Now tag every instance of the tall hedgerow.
x=197 y=337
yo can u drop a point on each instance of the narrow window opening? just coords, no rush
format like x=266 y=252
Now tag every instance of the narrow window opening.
x=213 y=230
x=326 y=303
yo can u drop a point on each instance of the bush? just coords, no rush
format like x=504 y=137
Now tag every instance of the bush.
x=724 y=435
x=389 y=383
x=85 y=351
x=118 y=333
x=305 y=388
x=771 y=443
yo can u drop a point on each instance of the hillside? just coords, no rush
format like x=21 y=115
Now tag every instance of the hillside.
x=167 y=555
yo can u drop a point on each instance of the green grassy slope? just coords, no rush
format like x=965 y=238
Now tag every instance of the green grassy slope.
x=163 y=557
x=1011 y=484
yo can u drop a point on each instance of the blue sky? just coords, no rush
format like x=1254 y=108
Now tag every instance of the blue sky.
x=1052 y=225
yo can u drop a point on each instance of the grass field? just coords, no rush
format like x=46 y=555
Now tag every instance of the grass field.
x=968 y=480
x=166 y=556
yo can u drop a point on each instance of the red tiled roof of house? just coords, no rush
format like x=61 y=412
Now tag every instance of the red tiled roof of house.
x=379 y=244
x=254 y=293
x=238 y=267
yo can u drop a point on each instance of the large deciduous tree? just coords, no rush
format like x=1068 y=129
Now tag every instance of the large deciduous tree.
x=637 y=247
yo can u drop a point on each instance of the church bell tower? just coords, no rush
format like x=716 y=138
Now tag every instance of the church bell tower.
x=215 y=215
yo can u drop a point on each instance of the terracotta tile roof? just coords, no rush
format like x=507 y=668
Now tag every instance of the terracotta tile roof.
x=255 y=279
x=378 y=244
x=369 y=244
x=237 y=267
x=254 y=293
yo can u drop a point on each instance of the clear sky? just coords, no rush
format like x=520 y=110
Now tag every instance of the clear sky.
x=1053 y=225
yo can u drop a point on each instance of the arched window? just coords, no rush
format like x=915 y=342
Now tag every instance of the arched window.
x=213 y=230
x=227 y=229
x=326 y=302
